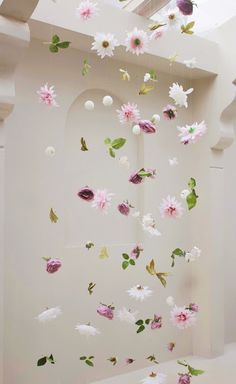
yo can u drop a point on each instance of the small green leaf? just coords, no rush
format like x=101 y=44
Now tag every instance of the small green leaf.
x=103 y=253
x=118 y=143
x=188 y=28
x=154 y=26
x=107 y=141
x=125 y=256
x=143 y=173
x=125 y=264
x=178 y=252
x=42 y=361
x=53 y=216
x=192 y=183
x=51 y=359
x=112 y=153
x=90 y=363
x=86 y=68
x=139 y=322
x=147 y=321
x=140 y=329
x=83 y=358
x=55 y=39
x=63 y=44
x=195 y=372
x=145 y=89
x=132 y=262
x=83 y=144
x=162 y=277
x=53 y=48
x=91 y=287
x=191 y=199
x=153 y=74
x=91 y=357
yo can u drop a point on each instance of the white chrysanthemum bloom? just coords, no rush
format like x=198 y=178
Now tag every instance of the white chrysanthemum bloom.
x=86 y=10
x=123 y=160
x=191 y=63
x=149 y=225
x=87 y=330
x=179 y=96
x=193 y=255
x=49 y=314
x=170 y=301
x=171 y=208
x=127 y=316
x=184 y=193
x=139 y=292
x=154 y=378
x=182 y=317
x=192 y=133
x=104 y=44
x=173 y=161
x=137 y=41
x=173 y=18
x=146 y=77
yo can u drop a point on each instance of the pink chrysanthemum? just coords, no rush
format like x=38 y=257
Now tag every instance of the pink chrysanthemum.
x=102 y=199
x=171 y=208
x=182 y=317
x=192 y=133
x=47 y=95
x=136 y=41
x=128 y=113
x=86 y=10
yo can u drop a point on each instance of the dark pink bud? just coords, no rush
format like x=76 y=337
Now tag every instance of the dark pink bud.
x=86 y=194
x=124 y=209
x=171 y=346
x=147 y=126
x=135 y=253
x=185 y=6
x=169 y=112
x=105 y=311
x=193 y=307
x=156 y=322
x=135 y=178
x=184 y=379
x=53 y=265
x=129 y=360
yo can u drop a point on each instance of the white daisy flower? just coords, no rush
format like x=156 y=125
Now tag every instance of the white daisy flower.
x=173 y=161
x=154 y=378
x=104 y=44
x=127 y=316
x=49 y=314
x=146 y=77
x=87 y=330
x=191 y=63
x=123 y=160
x=179 y=96
x=139 y=293
x=149 y=225
x=193 y=255
x=173 y=18
x=170 y=301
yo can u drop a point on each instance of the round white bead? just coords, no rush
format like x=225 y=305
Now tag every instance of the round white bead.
x=136 y=129
x=107 y=101
x=50 y=151
x=89 y=105
x=155 y=119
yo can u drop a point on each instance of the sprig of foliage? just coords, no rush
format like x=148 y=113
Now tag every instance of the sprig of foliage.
x=152 y=359
x=56 y=44
x=113 y=360
x=91 y=287
x=160 y=275
x=103 y=253
x=177 y=252
x=83 y=144
x=45 y=359
x=87 y=360
x=192 y=197
x=154 y=26
x=53 y=216
x=89 y=245
x=191 y=371
x=114 y=145
x=145 y=89
x=86 y=68
x=142 y=324
x=188 y=28
x=127 y=261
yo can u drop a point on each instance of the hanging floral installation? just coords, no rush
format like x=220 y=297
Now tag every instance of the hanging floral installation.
x=104 y=45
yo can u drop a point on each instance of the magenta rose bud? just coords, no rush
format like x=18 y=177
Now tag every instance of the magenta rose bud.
x=135 y=253
x=193 y=307
x=171 y=346
x=147 y=126
x=184 y=379
x=185 y=7
x=53 y=265
x=169 y=112
x=156 y=322
x=124 y=209
x=106 y=311
x=86 y=194
x=135 y=178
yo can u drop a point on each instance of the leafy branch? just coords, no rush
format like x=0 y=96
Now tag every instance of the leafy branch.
x=55 y=44
x=91 y=287
x=151 y=269
x=45 y=359
x=188 y=28
x=53 y=216
x=177 y=252
x=114 y=145
x=191 y=371
x=127 y=261
x=192 y=197
x=88 y=360
x=142 y=324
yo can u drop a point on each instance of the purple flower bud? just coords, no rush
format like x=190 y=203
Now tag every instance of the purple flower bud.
x=185 y=7
x=53 y=265
x=156 y=322
x=135 y=178
x=171 y=346
x=135 y=253
x=169 y=112
x=124 y=209
x=184 y=379
x=105 y=311
x=147 y=126
x=193 y=307
x=86 y=194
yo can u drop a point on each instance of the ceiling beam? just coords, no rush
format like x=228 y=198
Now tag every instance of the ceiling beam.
x=145 y=8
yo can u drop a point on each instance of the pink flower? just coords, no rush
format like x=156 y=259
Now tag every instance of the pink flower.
x=184 y=378
x=138 y=177
x=156 y=322
x=86 y=194
x=136 y=41
x=47 y=95
x=53 y=265
x=146 y=126
x=86 y=10
x=182 y=317
x=193 y=307
x=128 y=113
x=124 y=208
x=135 y=178
x=192 y=133
x=185 y=7
x=171 y=208
x=169 y=112
x=106 y=311
x=158 y=33
x=171 y=346
x=102 y=199
x=135 y=253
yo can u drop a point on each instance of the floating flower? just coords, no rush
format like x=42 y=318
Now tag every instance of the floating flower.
x=173 y=18
x=191 y=63
x=124 y=208
x=149 y=225
x=128 y=113
x=104 y=44
x=49 y=314
x=102 y=199
x=86 y=10
x=154 y=378
x=173 y=161
x=169 y=112
x=124 y=161
x=136 y=41
x=184 y=378
x=193 y=255
x=135 y=178
x=47 y=95
x=170 y=301
x=146 y=77
x=106 y=311
x=156 y=322
x=53 y=265
x=127 y=316
x=86 y=194
x=193 y=307
x=147 y=126
x=158 y=33
x=135 y=253
x=185 y=7
x=129 y=360
x=139 y=293
x=171 y=346
x=138 y=177
x=171 y=208
x=182 y=317
x=180 y=96
x=87 y=330
x=192 y=133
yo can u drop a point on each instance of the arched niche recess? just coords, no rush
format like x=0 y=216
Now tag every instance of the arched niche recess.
x=98 y=170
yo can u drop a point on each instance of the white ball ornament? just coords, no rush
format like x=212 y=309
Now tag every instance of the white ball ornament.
x=107 y=101
x=89 y=105
x=136 y=129
x=155 y=119
x=50 y=151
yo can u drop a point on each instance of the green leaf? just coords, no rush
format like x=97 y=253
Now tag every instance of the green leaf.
x=153 y=74
x=147 y=321
x=140 y=329
x=53 y=48
x=139 y=322
x=151 y=268
x=188 y=28
x=90 y=363
x=132 y=262
x=63 y=44
x=177 y=252
x=55 y=39
x=162 y=277
x=125 y=264
x=91 y=287
x=112 y=153
x=118 y=143
x=191 y=199
x=91 y=357
x=154 y=26
x=145 y=89
x=143 y=173
x=53 y=216
x=125 y=256
x=192 y=183
x=42 y=361
x=83 y=358
x=83 y=144
x=51 y=359
x=107 y=141
x=86 y=68
x=195 y=372
x=103 y=253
